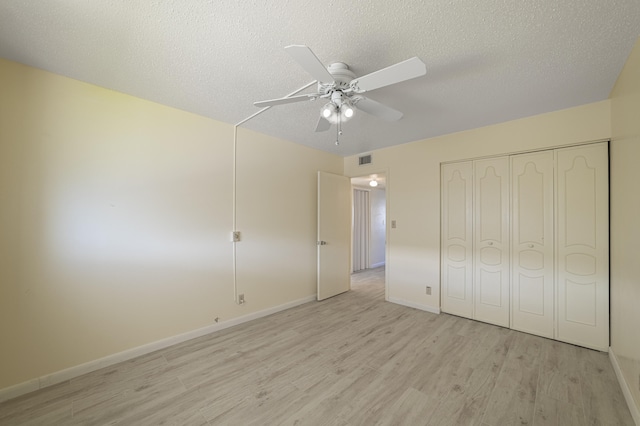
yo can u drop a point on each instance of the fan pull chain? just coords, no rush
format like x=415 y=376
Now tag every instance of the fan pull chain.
x=338 y=130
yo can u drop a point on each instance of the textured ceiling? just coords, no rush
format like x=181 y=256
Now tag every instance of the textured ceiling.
x=488 y=61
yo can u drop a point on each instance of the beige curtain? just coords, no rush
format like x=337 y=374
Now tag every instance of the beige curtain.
x=361 y=229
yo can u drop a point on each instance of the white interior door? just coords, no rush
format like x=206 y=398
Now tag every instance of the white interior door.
x=334 y=234
x=457 y=239
x=532 y=243
x=491 y=240
x=583 y=246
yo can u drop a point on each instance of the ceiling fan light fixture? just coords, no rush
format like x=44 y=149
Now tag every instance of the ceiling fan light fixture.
x=346 y=110
x=329 y=111
x=373 y=183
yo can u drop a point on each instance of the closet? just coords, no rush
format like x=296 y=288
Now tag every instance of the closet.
x=525 y=242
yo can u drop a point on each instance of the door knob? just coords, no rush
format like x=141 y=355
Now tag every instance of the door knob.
x=322 y=243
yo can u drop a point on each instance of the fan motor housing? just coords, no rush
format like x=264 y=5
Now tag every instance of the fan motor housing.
x=342 y=76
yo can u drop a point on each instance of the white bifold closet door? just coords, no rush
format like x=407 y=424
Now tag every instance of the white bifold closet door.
x=475 y=240
x=457 y=239
x=525 y=242
x=491 y=241
x=532 y=302
x=582 y=245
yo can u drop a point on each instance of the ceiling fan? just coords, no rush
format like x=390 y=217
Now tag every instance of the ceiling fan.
x=342 y=89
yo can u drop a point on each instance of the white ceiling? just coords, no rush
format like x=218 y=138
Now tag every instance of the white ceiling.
x=488 y=61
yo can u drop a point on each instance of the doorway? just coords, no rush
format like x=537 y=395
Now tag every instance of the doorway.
x=369 y=229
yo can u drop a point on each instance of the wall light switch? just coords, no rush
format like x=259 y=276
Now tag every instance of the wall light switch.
x=393 y=223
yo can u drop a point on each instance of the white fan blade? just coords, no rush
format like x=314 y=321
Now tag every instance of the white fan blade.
x=406 y=70
x=310 y=62
x=377 y=109
x=288 y=100
x=323 y=125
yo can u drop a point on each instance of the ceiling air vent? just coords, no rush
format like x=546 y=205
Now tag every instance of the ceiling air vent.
x=365 y=159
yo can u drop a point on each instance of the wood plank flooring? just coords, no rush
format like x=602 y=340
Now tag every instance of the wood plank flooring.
x=353 y=359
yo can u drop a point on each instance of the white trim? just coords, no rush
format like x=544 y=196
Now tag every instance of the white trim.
x=78 y=370
x=626 y=391
x=377 y=265
x=530 y=151
x=414 y=305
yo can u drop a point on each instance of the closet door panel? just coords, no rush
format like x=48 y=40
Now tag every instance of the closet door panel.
x=532 y=243
x=457 y=265
x=583 y=246
x=491 y=242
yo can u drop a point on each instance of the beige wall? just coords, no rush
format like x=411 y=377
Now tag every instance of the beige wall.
x=625 y=228
x=115 y=215
x=414 y=186
x=277 y=210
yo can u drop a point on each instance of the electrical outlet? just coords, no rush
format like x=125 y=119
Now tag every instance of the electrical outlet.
x=235 y=236
x=428 y=290
x=241 y=299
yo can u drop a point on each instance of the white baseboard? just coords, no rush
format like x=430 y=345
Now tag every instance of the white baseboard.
x=376 y=265
x=78 y=370
x=626 y=391
x=414 y=305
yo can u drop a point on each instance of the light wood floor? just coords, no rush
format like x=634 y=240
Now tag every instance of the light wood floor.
x=350 y=360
